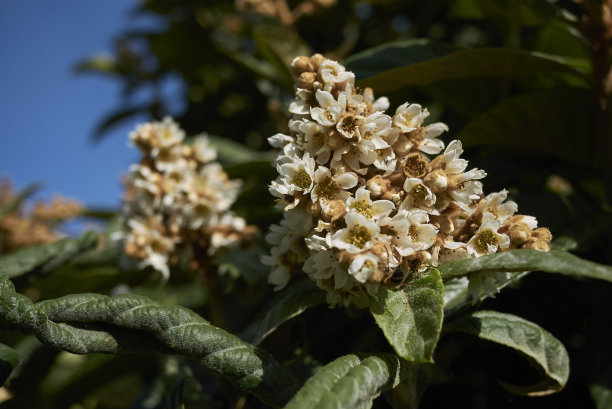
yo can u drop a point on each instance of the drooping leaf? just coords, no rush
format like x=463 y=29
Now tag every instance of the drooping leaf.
x=116 y=117
x=14 y=203
x=414 y=381
x=537 y=344
x=411 y=316
x=46 y=257
x=86 y=323
x=291 y=302
x=393 y=73
x=9 y=359
x=555 y=261
x=602 y=395
x=558 y=122
x=351 y=382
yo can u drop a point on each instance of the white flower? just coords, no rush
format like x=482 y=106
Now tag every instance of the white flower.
x=328 y=187
x=202 y=150
x=495 y=206
x=362 y=204
x=426 y=138
x=332 y=72
x=418 y=196
x=487 y=239
x=363 y=267
x=410 y=232
x=409 y=117
x=168 y=132
x=281 y=272
x=296 y=176
x=329 y=111
x=358 y=235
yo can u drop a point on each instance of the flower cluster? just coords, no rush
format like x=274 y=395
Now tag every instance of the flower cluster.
x=370 y=198
x=178 y=197
x=19 y=228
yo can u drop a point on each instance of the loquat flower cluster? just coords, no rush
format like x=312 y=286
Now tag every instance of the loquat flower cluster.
x=178 y=199
x=370 y=198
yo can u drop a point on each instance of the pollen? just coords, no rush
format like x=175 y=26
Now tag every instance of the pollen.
x=413 y=232
x=418 y=195
x=484 y=239
x=359 y=236
x=301 y=179
x=364 y=207
x=327 y=188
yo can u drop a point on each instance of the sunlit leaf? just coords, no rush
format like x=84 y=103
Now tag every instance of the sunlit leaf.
x=537 y=344
x=292 y=301
x=411 y=316
x=555 y=261
x=351 y=382
x=46 y=257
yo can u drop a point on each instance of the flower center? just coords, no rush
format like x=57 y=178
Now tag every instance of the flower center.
x=364 y=207
x=413 y=232
x=348 y=125
x=327 y=188
x=415 y=166
x=301 y=179
x=359 y=236
x=484 y=239
x=418 y=195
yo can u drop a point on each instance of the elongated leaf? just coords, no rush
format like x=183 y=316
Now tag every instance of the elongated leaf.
x=46 y=257
x=14 y=203
x=558 y=122
x=555 y=261
x=537 y=344
x=231 y=152
x=411 y=316
x=351 y=382
x=393 y=73
x=9 y=359
x=396 y=54
x=85 y=323
x=289 y=303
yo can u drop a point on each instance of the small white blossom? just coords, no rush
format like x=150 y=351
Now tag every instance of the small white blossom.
x=357 y=236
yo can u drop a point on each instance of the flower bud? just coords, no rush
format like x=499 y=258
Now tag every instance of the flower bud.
x=301 y=65
x=519 y=233
x=536 y=244
x=306 y=79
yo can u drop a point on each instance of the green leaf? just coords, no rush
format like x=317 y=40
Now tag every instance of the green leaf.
x=559 y=122
x=395 y=54
x=350 y=382
x=231 y=152
x=14 y=203
x=402 y=71
x=86 y=323
x=114 y=118
x=555 y=261
x=46 y=257
x=9 y=359
x=537 y=344
x=292 y=301
x=411 y=316
x=602 y=395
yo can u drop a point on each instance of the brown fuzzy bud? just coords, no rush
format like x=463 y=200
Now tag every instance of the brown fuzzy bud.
x=317 y=60
x=378 y=185
x=334 y=140
x=542 y=233
x=333 y=210
x=301 y=65
x=444 y=223
x=306 y=79
x=537 y=244
x=402 y=145
x=519 y=233
x=345 y=258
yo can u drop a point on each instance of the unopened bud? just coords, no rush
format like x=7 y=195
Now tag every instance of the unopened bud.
x=317 y=60
x=536 y=244
x=333 y=210
x=377 y=186
x=301 y=64
x=436 y=181
x=542 y=233
x=519 y=233
x=306 y=79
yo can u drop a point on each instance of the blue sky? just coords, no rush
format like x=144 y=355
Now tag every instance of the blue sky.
x=47 y=112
